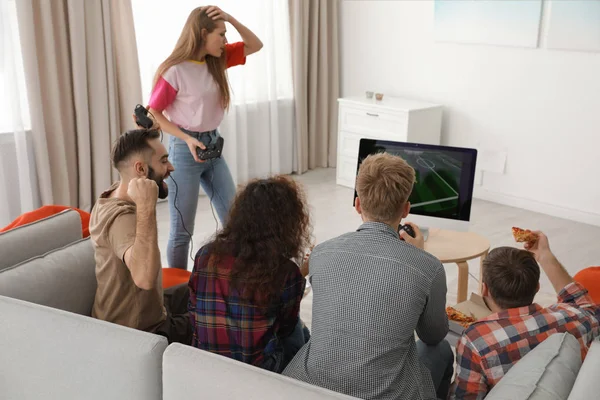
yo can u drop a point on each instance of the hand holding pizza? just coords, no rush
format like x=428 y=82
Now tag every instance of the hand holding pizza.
x=540 y=248
x=535 y=242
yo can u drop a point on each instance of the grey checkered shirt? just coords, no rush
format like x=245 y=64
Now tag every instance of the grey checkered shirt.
x=371 y=292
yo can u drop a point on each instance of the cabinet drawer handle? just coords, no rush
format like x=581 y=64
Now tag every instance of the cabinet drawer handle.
x=372 y=115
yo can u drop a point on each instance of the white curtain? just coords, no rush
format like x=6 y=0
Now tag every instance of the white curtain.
x=259 y=128
x=18 y=182
x=83 y=82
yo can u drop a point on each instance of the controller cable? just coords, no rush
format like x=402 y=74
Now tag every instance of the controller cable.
x=212 y=193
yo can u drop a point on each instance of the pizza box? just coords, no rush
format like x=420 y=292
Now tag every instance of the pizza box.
x=475 y=307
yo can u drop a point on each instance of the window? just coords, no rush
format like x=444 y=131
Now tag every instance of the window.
x=158 y=24
x=14 y=108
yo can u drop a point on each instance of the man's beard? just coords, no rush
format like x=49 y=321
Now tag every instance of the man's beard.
x=163 y=189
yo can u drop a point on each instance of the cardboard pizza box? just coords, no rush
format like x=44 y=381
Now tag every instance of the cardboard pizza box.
x=475 y=307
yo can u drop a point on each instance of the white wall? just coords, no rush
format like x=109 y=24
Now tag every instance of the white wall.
x=540 y=106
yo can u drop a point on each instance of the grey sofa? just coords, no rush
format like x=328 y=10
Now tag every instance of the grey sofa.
x=50 y=347
x=189 y=370
x=52 y=354
x=27 y=241
x=552 y=371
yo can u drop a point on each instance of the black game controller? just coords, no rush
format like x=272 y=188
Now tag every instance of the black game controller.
x=211 y=151
x=408 y=229
x=141 y=117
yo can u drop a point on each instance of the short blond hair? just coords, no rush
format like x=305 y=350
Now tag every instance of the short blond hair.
x=383 y=185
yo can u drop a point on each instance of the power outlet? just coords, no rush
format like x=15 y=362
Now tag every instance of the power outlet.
x=479 y=178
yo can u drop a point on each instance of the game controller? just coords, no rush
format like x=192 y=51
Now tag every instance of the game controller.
x=408 y=229
x=211 y=151
x=141 y=117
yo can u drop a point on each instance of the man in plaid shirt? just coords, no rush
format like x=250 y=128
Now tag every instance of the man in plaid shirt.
x=492 y=345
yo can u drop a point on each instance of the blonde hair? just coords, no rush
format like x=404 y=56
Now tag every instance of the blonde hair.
x=188 y=46
x=383 y=185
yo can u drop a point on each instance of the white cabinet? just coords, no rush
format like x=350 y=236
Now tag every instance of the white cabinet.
x=397 y=119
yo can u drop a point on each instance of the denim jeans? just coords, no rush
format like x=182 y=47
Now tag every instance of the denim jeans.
x=216 y=180
x=288 y=347
x=439 y=359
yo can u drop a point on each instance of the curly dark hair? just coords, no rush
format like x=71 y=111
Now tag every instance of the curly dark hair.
x=268 y=225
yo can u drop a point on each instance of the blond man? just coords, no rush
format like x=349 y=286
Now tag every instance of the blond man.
x=373 y=289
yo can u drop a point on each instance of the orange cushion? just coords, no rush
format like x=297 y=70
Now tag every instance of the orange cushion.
x=175 y=276
x=590 y=279
x=45 y=212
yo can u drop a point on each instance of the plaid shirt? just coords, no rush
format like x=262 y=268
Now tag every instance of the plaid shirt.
x=226 y=324
x=490 y=347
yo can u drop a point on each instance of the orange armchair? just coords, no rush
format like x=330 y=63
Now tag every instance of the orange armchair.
x=45 y=212
x=175 y=276
x=590 y=279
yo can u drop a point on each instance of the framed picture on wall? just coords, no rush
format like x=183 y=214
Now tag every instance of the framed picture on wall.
x=491 y=22
x=574 y=25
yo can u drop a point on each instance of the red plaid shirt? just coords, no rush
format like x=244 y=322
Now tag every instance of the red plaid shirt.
x=225 y=323
x=490 y=347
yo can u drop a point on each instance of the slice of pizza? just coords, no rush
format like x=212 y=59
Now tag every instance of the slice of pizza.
x=459 y=317
x=523 y=235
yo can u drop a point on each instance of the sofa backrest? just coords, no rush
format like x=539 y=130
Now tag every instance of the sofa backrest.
x=188 y=370
x=52 y=354
x=64 y=278
x=547 y=372
x=587 y=384
x=31 y=240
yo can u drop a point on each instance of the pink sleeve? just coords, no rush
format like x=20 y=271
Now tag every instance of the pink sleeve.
x=162 y=96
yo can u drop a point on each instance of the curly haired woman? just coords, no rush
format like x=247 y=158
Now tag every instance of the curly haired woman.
x=246 y=286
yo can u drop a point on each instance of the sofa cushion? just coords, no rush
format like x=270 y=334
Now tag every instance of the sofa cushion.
x=587 y=384
x=547 y=372
x=31 y=240
x=52 y=354
x=64 y=278
x=189 y=370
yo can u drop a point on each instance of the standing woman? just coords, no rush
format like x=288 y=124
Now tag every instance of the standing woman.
x=189 y=98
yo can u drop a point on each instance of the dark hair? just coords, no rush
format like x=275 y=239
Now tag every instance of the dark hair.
x=132 y=142
x=268 y=225
x=512 y=276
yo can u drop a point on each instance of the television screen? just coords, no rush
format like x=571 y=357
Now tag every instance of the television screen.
x=444 y=176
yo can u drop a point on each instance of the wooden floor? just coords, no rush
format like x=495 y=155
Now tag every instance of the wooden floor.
x=575 y=244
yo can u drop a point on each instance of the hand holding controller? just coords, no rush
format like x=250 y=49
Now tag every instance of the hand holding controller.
x=411 y=234
x=211 y=151
x=408 y=229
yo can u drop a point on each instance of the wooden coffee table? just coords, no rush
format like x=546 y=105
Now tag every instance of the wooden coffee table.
x=458 y=247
